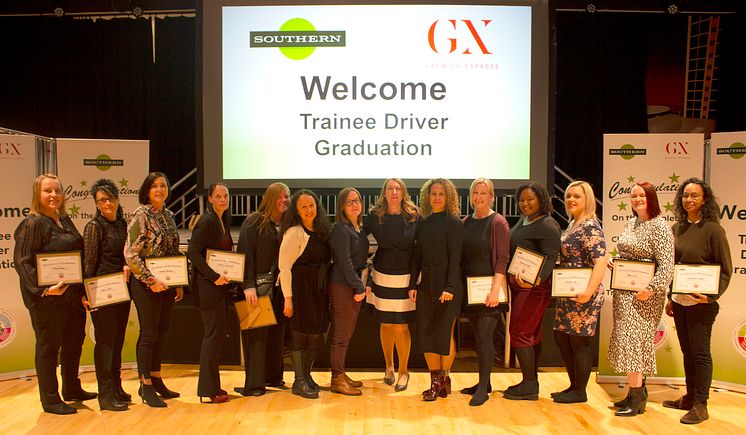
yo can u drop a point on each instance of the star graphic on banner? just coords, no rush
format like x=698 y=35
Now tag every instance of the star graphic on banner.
x=83 y=183
x=668 y=348
x=668 y=206
x=622 y=206
x=614 y=253
x=74 y=209
x=674 y=178
x=123 y=182
x=130 y=323
x=631 y=179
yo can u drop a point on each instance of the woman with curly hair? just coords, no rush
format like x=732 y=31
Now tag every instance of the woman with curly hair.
x=698 y=239
x=437 y=255
x=304 y=262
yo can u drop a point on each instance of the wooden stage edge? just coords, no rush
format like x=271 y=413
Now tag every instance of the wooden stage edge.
x=379 y=410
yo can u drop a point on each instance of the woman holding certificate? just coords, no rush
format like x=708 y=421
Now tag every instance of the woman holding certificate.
x=536 y=237
x=57 y=316
x=304 y=264
x=637 y=311
x=393 y=222
x=209 y=288
x=151 y=234
x=349 y=244
x=485 y=255
x=699 y=240
x=437 y=255
x=104 y=238
x=259 y=240
x=576 y=318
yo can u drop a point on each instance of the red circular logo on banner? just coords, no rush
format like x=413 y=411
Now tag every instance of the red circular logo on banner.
x=739 y=337
x=8 y=328
x=661 y=333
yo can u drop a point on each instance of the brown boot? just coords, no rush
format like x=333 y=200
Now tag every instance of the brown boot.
x=355 y=384
x=437 y=388
x=341 y=386
x=697 y=414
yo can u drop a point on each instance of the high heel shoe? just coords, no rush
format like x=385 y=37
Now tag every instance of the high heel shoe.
x=388 y=377
x=220 y=398
x=150 y=397
x=161 y=388
x=399 y=386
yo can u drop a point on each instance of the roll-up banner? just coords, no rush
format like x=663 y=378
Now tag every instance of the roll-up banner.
x=727 y=165
x=80 y=162
x=17 y=173
x=664 y=160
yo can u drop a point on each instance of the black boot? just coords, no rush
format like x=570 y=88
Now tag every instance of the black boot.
x=529 y=390
x=72 y=391
x=119 y=392
x=300 y=386
x=622 y=403
x=635 y=404
x=309 y=356
x=59 y=408
x=106 y=399
x=150 y=397
x=161 y=388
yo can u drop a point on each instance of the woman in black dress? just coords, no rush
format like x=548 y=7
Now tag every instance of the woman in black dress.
x=304 y=263
x=393 y=222
x=437 y=255
x=260 y=240
x=57 y=316
x=485 y=254
x=103 y=239
x=209 y=288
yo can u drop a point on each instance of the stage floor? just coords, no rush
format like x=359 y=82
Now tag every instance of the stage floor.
x=379 y=410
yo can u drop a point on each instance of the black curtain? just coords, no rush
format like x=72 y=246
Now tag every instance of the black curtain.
x=65 y=77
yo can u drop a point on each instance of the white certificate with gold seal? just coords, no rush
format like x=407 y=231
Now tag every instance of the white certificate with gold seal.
x=568 y=283
x=53 y=267
x=696 y=278
x=631 y=275
x=527 y=264
x=478 y=287
x=227 y=263
x=172 y=271
x=106 y=290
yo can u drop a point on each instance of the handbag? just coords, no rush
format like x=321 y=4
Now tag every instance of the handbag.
x=265 y=282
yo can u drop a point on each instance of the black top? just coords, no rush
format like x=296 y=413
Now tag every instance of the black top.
x=486 y=252
x=262 y=248
x=350 y=254
x=36 y=234
x=704 y=243
x=542 y=236
x=437 y=254
x=395 y=239
x=104 y=246
x=207 y=234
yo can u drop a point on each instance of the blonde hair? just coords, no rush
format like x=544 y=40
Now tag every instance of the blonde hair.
x=269 y=199
x=487 y=182
x=409 y=210
x=36 y=195
x=590 y=200
x=452 y=205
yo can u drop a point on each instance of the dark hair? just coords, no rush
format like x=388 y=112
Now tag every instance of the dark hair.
x=545 y=202
x=651 y=198
x=226 y=218
x=291 y=218
x=710 y=210
x=144 y=195
x=342 y=200
x=110 y=189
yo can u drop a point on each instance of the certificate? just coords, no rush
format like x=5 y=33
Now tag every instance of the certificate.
x=171 y=270
x=106 y=290
x=527 y=264
x=696 y=278
x=631 y=275
x=478 y=287
x=53 y=267
x=568 y=283
x=227 y=263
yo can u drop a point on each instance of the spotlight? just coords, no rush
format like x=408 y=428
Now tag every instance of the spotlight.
x=137 y=11
x=59 y=12
x=672 y=9
x=591 y=8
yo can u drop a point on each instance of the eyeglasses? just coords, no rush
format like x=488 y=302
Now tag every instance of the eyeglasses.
x=352 y=202
x=102 y=201
x=693 y=196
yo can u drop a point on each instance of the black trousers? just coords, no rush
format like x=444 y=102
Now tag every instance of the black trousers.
x=694 y=328
x=262 y=349
x=154 y=314
x=212 y=308
x=110 y=325
x=60 y=331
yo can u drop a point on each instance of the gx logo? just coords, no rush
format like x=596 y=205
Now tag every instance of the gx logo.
x=453 y=29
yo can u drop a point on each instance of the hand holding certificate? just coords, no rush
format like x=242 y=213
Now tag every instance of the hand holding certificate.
x=172 y=271
x=56 y=267
x=106 y=290
x=632 y=275
x=569 y=283
x=703 y=279
x=478 y=287
x=527 y=264
x=226 y=263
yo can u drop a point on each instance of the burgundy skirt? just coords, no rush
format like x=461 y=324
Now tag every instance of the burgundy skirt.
x=527 y=307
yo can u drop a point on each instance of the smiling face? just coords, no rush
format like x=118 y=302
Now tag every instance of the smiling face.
x=575 y=202
x=529 y=203
x=393 y=194
x=281 y=205
x=158 y=192
x=481 y=197
x=219 y=198
x=437 y=198
x=50 y=196
x=107 y=205
x=306 y=208
x=639 y=201
x=693 y=199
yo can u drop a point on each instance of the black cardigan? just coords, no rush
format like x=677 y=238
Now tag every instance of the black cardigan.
x=207 y=234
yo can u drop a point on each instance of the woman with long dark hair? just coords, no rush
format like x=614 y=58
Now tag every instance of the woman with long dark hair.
x=304 y=264
x=213 y=231
x=152 y=233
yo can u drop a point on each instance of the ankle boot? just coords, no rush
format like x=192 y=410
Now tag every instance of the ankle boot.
x=72 y=391
x=106 y=399
x=150 y=397
x=635 y=404
x=300 y=386
x=161 y=388
x=447 y=380
x=697 y=414
x=432 y=381
x=119 y=392
x=622 y=403
x=309 y=356
x=684 y=402
x=437 y=388
x=528 y=390
x=355 y=384
x=342 y=386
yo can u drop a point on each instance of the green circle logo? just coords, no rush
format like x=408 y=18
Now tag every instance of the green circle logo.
x=737 y=155
x=628 y=146
x=297 y=25
x=103 y=167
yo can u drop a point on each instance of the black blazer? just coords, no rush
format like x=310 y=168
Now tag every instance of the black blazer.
x=207 y=234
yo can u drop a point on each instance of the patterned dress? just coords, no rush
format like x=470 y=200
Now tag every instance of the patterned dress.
x=635 y=322
x=581 y=245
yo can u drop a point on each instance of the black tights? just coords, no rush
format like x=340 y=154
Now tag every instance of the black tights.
x=578 y=357
x=528 y=358
x=484 y=327
x=308 y=342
